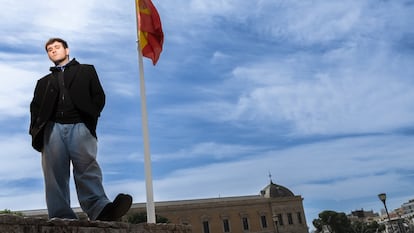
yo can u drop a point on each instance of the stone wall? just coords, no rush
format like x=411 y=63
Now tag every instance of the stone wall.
x=17 y=224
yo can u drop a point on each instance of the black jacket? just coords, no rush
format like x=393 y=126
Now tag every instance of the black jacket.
x=85 y=91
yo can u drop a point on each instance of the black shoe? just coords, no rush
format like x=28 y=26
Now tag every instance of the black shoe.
x=116 y=209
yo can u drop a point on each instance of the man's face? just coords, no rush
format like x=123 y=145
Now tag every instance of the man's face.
x=57 y=53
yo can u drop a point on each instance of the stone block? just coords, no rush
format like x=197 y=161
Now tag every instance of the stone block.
x=18 y=224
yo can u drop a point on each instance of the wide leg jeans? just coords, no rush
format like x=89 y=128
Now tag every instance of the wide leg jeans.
x=66 y=144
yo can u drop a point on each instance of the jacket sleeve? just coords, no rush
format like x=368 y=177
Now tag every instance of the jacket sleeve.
x=41 y=108
x=87 y=93
x=97 y=92
x=35 y=106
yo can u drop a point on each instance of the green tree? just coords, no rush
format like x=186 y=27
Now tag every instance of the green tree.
x=141 y=217
x=362 y=227
x=333 y=221
x=6 y=211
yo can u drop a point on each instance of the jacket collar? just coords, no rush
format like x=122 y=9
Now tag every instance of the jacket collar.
x=59 y=68
x=71 y=69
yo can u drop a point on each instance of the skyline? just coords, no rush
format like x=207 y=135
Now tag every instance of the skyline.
x=317 y=94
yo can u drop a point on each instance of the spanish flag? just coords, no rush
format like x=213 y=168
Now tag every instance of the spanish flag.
x=151 y=36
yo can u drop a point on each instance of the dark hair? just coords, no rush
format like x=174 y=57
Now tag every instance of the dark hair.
x=53 y=40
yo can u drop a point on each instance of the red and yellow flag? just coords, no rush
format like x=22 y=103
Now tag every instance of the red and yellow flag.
x=151 y=36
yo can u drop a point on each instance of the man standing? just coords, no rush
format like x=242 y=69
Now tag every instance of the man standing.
x=64 y=113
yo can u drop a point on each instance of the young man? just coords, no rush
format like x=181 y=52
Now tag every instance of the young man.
x=64 y=113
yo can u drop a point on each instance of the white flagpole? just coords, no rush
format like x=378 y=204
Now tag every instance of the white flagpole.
x=147 y=156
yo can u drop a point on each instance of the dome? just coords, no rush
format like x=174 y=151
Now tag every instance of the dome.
x=275 y=190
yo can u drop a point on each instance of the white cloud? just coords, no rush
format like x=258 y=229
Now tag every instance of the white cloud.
x=342 y=91
x=322 y=22
x=23 y=200
x=15 y=91
x=316 y=170
x=210 y=150
x=19 y=160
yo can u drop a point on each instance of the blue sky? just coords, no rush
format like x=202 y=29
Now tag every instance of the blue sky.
x=317 y=93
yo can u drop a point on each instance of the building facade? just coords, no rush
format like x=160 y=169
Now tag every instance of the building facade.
x=363 y=216
x=408 y=208
x=275 y=210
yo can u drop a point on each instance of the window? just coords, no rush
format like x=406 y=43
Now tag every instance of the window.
x=226 y=225
x=290 y=219
x=206 y=227
x=263 y=221
x=245 y=223
x=300 y=218
x=280 y=219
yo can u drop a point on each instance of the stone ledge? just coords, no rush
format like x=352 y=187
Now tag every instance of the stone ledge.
x=18 y=224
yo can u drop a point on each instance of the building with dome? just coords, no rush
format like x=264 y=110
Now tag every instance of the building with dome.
x=275 y=209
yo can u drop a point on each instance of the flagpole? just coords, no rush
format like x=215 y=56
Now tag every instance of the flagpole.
x=147 y=156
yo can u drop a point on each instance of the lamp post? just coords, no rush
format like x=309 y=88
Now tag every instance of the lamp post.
x=383 y=197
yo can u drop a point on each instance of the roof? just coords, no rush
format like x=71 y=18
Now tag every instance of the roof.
x=275 y=190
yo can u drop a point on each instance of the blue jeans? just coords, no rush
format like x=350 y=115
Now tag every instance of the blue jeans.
x=63 y=144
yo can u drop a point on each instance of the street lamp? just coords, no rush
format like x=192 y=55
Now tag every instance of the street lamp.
x=383 y=197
